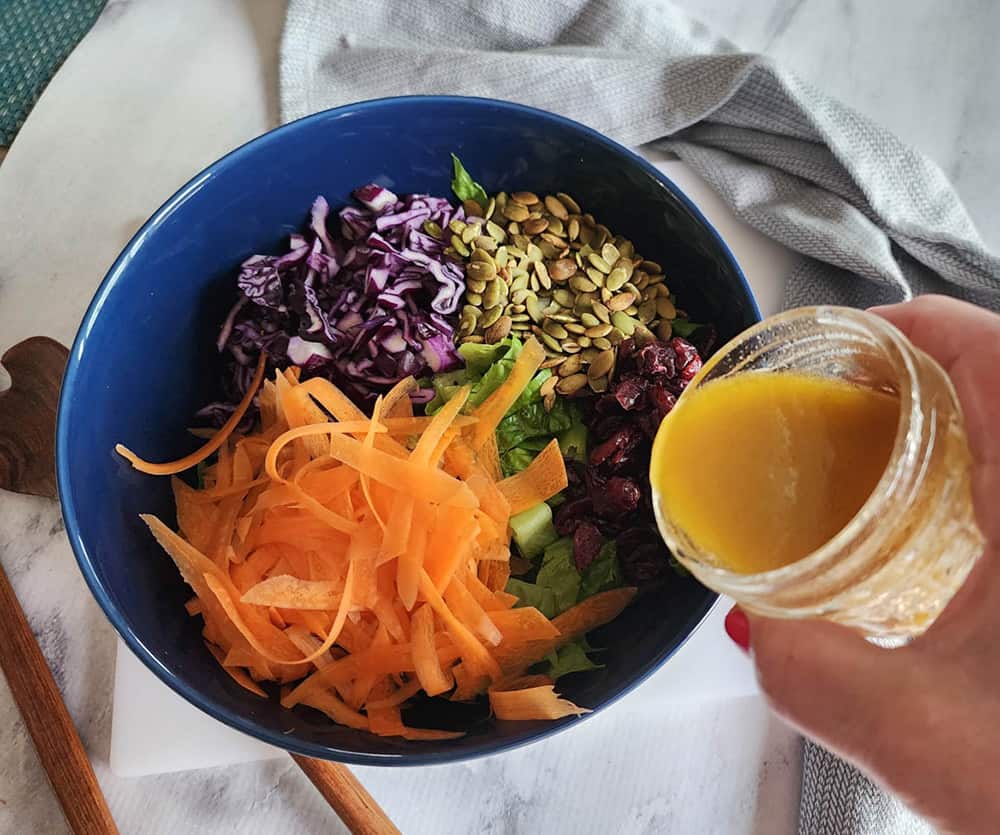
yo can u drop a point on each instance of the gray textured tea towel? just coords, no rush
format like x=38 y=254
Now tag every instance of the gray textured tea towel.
x=874 y=220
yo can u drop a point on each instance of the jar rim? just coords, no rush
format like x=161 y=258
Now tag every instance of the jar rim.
x=905 y=445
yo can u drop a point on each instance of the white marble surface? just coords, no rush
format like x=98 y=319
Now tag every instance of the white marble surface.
x=160 y=88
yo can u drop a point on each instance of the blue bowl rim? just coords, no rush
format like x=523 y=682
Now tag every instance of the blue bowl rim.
x=189 y=692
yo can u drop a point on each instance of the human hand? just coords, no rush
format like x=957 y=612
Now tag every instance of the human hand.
x=922 y=720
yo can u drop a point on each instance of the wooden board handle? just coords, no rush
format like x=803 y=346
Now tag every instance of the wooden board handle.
x=357 y=809
x=49 y=723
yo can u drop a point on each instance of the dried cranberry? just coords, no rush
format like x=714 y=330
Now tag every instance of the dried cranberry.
x=587 y=541
x=644 y=564
x=632 y=538
x=685 y=351
x=657 y=359
x=571 y=514
x=606 y=426
x=689 y=370
x=629 y=392
x=626 y=348
x=662 y=399
x=618 y=450
x=619 y=497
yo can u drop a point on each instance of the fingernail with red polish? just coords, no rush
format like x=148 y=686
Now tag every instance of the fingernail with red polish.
x=738 y=628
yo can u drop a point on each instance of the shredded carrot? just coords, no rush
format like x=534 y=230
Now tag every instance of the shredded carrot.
x=358 y=562
x=220 y=437
x=494 y=407
x=540 y=702
x=540 y=480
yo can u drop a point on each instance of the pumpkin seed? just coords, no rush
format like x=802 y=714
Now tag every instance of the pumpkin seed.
x=665 y=308
x=602 y=343
x=597 y=261
x=584 y=341
x=596 y=276
x=525 y=198
x=589 y=319
x=632 y=310
x=571 y=205
x=534 y=308
x=610 y=253
x=490 y=208
x=571 y=384
x=474 y=298
x=535 y=226
x=620 y=302
x=502 y=257
x=575 y=328
x=651 y=267
x=490 y=315
x=571 y=366
x=647 y=312
x=554 y=329
x=491 y=296
x=602 y=365
x=626 y=324
x=573 y=229
x=589 y=354
x=643 y=335
x=552 y=362
x=457 y=226
x=520 y=319
x=665 y=330
x=626 y=249
x=583 y=285
x=615 y=337
x=515 y=212
x=433 y=229
x=496 y=232
x=616 y=280
x=533 y=252
x=475 y=338
x=480 y=270
x=562 y=269
x=556 y=228
x=516 y=308
x=518 y=296
x=498 y=330
x=543 y=275
x=556 y=207
x=551 y=342
x=548 y=387
x=459 y=246
x=598 y=385
x=598 y=331
x=472 y=208
x=571 y=346
x=600 y=311
x=656 y=279
x=485 y=242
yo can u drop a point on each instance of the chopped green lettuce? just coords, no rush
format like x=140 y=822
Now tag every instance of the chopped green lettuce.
x=603 y=573
x=570 y=658
x=531 y=594
x=465 y=187
x=558 y=572
x=683 y=328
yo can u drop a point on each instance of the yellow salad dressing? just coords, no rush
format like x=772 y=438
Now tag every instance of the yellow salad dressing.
x=762 y=468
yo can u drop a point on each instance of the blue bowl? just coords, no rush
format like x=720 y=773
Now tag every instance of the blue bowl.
x=144 y=361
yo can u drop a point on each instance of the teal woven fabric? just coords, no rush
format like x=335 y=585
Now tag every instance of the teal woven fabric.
x=36 y=36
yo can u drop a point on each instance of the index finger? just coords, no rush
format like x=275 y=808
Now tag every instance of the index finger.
x=965 y=340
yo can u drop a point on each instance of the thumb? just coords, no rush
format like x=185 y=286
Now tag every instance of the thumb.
x=828 y=681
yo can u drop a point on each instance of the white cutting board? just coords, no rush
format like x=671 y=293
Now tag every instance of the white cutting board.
x=155 y=731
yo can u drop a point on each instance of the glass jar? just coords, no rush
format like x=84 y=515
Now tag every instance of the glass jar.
x=892 y=569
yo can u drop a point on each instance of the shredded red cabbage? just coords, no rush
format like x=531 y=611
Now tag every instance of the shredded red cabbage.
x=364 y=304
